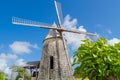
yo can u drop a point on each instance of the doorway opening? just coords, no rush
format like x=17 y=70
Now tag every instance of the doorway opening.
x=51 y=62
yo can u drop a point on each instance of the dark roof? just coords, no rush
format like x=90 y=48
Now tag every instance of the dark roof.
x=32 y=64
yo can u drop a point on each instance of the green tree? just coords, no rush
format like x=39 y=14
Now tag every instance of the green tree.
x=2 y=75
x=22 y=73
x=97 y=60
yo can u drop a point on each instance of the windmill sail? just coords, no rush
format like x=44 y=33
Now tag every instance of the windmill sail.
x=59 y=13
x=26 y=22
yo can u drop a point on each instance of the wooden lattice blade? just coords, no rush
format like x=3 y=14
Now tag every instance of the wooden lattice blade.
x=59 y=13
x=26 y=22
x=33 y=25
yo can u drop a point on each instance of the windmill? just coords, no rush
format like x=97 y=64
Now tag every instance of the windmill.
x=55 y=63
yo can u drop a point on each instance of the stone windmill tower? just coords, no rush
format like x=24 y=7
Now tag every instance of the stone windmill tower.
x=55 y=63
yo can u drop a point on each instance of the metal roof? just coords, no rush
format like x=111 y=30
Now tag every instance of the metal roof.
x=32 y=64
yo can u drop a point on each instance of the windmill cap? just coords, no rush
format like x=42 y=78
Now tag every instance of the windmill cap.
x=52 y=33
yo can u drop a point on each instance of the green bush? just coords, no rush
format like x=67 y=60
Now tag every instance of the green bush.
x=97 y=60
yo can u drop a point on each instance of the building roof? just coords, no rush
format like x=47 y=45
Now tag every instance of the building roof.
x=52 y=33
x=32 y=64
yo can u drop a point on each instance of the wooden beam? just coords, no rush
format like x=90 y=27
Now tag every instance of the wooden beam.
x=55 y=28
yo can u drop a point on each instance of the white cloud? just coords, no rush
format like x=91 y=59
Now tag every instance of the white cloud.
x=20 y=62
x=71 y=59
x=35 y=46
x=5 y=59
x=68 y=23
x=7 y=70
x=109 y=31
x=19 y=47
x=113 y=41
x=73 y=39
x=3 y=64
x=7 y=56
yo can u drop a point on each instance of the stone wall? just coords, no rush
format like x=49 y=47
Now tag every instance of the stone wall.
x=62 y=67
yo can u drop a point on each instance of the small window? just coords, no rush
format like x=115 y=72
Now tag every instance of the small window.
x=51 y=62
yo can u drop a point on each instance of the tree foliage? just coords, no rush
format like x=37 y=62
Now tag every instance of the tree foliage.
x=97 y=60
x=21 y=72
x=2 y=75
x=6 y=78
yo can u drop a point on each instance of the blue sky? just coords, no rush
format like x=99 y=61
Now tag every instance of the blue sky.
x=96 y=16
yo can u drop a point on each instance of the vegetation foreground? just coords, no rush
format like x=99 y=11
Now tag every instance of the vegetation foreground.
x=97 y=60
